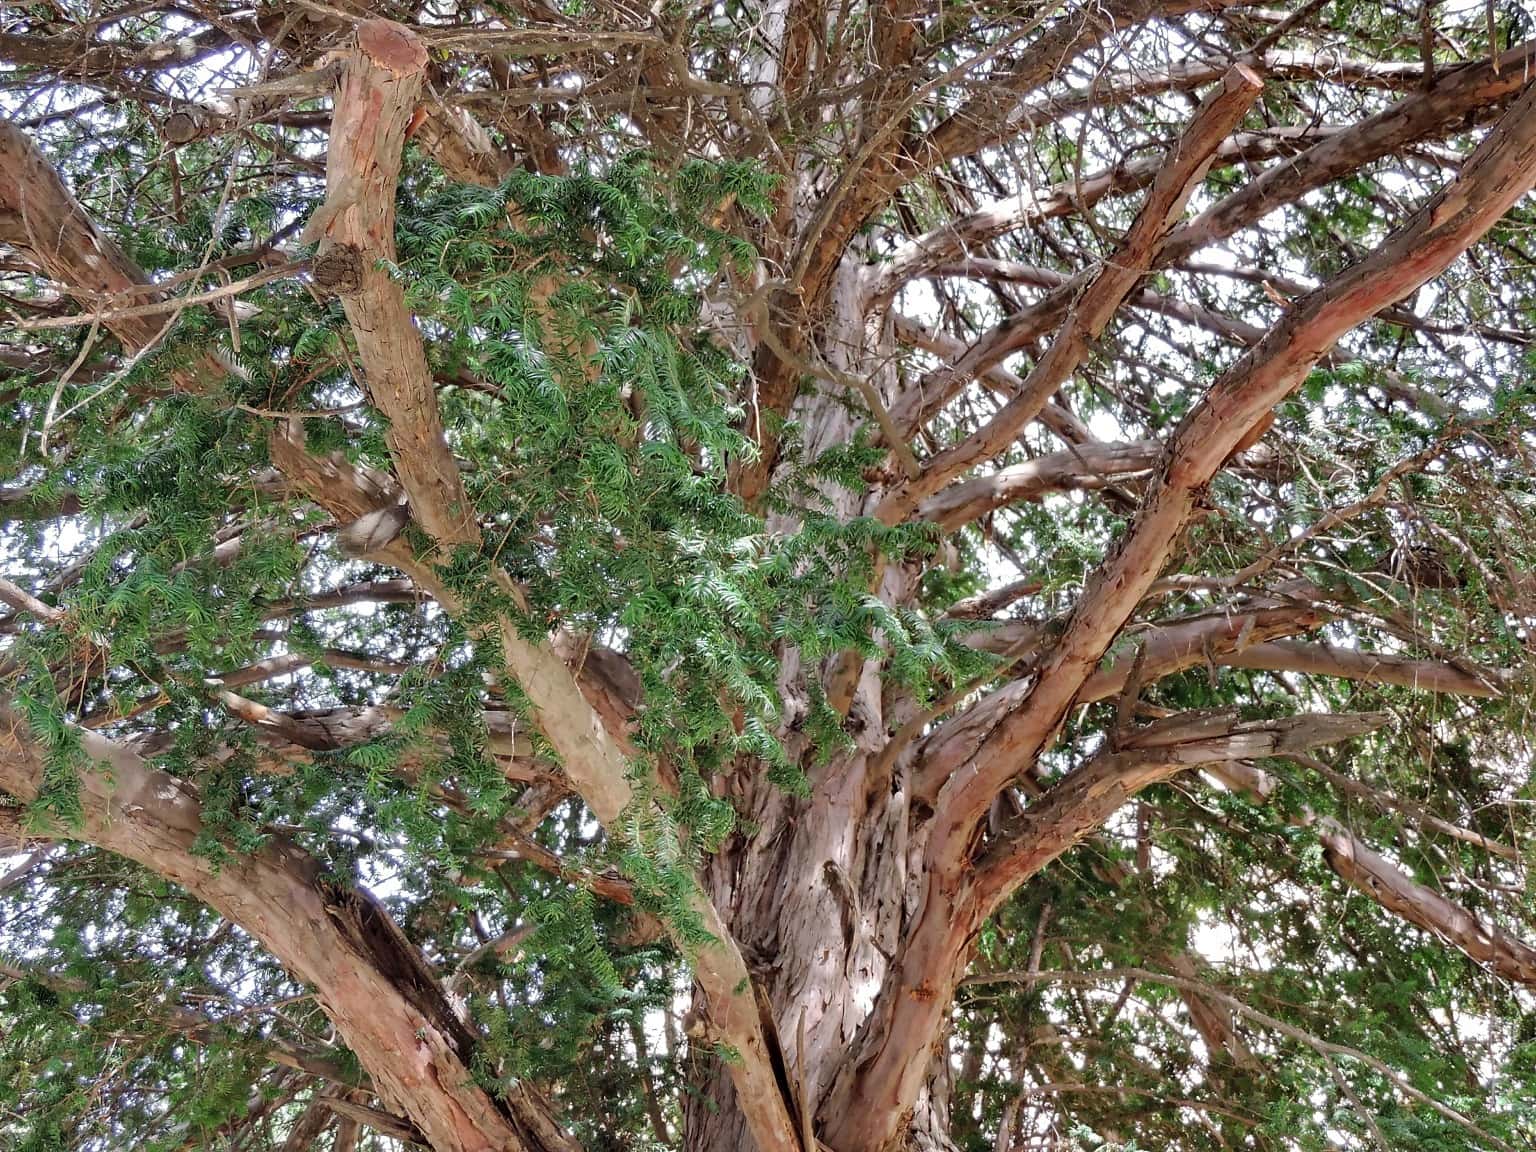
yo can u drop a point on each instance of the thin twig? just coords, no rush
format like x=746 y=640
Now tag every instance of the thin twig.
x=173 y=304
x=1324 y=1048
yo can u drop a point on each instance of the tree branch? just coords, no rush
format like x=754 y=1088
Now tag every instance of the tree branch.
x=910 y=1007
x=896 y=1041
x=1078 y=468
x=1322 y=1047
x=1498 y=174
x=375 y=985
x=1387 y=884
x=1457 y=92
x=596 y=761
x=1101 y=293
x=356 y=229
x=957 y=238
x=1080 y=802
x=1370 y=667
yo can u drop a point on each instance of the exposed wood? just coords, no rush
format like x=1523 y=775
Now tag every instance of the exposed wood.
x=1499 y=173
x=985 y=163
x=1083 y=799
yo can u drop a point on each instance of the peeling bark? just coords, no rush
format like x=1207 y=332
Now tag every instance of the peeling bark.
x=372 y=982
x=841 y=925
x=885 y=1075
x=596 y=762
x=355 y=226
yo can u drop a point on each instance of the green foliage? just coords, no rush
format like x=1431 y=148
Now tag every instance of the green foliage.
x=591 y=377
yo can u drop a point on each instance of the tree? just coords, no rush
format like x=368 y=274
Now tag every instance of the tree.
x=767 y=575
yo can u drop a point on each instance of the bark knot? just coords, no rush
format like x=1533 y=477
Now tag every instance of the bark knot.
x=339 y=269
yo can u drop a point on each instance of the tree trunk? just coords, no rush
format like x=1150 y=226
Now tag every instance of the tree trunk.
x=815 y=900
x=815 y=894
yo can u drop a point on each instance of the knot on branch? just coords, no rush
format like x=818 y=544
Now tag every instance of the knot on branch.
x=339 y=269
x=183 y=127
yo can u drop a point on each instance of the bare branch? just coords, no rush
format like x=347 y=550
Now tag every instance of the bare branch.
x=1373 y=875
x=1499 y=173
x=1079 y=803
x=1101 y=294
x=1457 y=92
x=909 y=1010
x=1370 y=667
x=957 y=238
x=1077 y=468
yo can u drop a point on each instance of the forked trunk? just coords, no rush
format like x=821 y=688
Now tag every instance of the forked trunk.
x=815 y=898
x=815 y=892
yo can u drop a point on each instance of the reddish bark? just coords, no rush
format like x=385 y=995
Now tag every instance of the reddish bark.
x=356 y=229
x=1390 y=885
x=886 y=1073
x=1095 y=302
x=371 y=981
x=855 y=911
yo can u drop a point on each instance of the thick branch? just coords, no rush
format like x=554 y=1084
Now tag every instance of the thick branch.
x=1078 y=468
x=910 y=1007
x=356 y=227
x=1417 y=117
x=1420 y=116
x=1370 y=667
x=1252 y=640
x=1499 y=173
x=896 y=1042
x=374 y=984
x=1083 y=800
x=42 y=220
x=585 y=728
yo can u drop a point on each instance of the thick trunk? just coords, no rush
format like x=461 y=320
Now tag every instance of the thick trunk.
x=815 y=898
x=815 y=894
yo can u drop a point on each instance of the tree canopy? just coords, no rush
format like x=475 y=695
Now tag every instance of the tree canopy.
x=769 y=574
